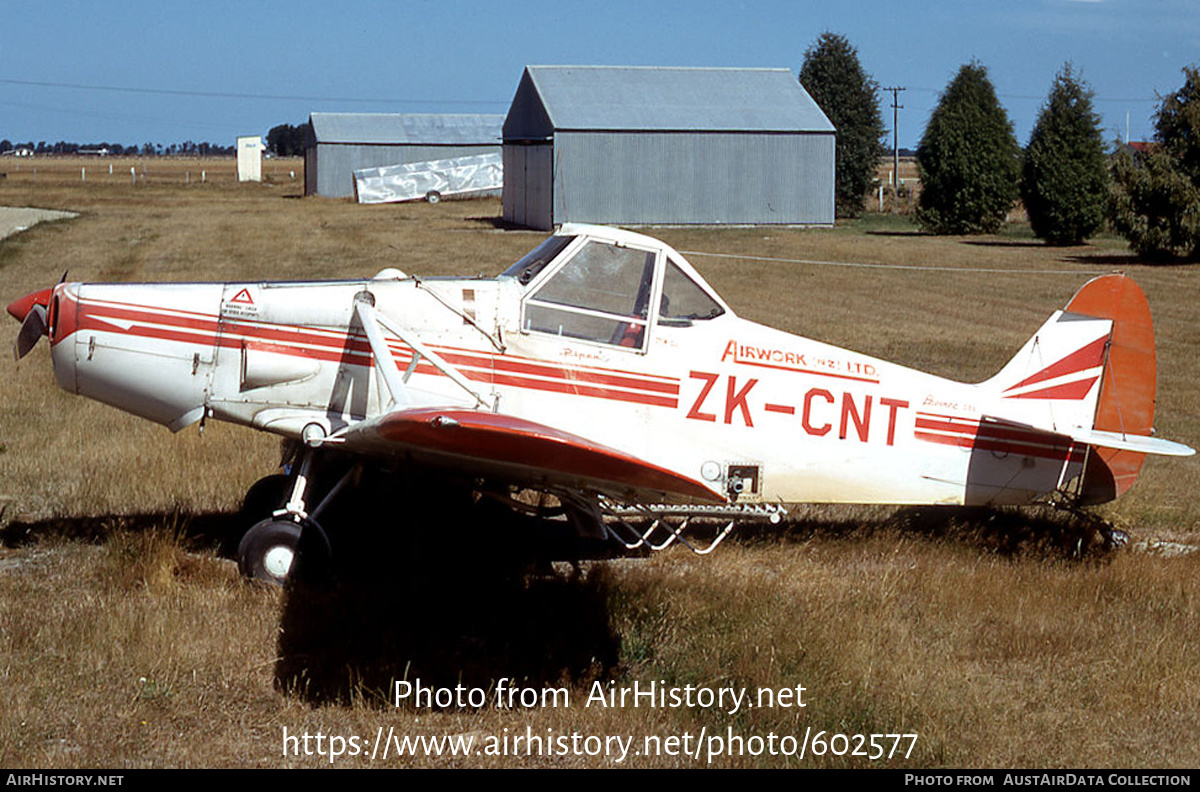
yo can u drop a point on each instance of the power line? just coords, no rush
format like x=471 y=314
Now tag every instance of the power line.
x=257 y=97
x=1030 y=96
x=377 y=100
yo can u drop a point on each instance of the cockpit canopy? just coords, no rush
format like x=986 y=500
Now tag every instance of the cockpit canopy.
x=602 y=290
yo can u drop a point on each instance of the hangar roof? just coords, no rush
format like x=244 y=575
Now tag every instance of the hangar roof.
x=626 y=98
x=407 y=128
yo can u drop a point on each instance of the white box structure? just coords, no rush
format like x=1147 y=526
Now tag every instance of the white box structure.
x=249 y=155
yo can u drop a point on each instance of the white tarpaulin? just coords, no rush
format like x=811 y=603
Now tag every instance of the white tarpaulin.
x=433 y=179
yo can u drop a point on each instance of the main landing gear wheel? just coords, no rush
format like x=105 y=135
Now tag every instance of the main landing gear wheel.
x=268 y=549
x=433 y=196
x=264 y=498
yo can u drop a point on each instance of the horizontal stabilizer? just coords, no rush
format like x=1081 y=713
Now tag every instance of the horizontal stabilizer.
x=1127 y=442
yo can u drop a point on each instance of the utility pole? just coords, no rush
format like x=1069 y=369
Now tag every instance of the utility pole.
x=896 y=108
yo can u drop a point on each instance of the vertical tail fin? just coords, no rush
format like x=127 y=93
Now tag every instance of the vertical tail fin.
x=1089 y=373
x=1052 y=384
x=1076 y=404
x=1126 y=399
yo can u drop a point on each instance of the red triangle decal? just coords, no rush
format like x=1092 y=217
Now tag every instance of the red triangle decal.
x=1080 y=360
x=243 y=297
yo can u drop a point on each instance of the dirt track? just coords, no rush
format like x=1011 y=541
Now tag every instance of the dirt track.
x=13 y=219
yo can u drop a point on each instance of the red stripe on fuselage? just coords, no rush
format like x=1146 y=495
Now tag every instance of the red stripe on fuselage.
x=206 y=330
x=997 y=437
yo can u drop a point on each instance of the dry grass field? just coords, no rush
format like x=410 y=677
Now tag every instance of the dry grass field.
x=1002 y=639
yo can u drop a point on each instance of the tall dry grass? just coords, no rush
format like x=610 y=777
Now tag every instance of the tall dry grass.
x=136 y=653
x=1003 y=640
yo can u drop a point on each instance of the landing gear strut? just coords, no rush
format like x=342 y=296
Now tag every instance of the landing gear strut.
x=268 y=551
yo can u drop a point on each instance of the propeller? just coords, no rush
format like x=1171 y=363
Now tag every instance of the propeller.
x=30 y=311
x=33 y=327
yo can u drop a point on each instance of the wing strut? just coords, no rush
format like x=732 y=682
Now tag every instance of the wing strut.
x=393 y=380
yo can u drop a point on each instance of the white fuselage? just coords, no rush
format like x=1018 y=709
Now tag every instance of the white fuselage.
x=743 y=408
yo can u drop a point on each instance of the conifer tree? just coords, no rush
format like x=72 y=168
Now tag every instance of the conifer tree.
x=968 y=158
x=835 y=79
x=1064 y=180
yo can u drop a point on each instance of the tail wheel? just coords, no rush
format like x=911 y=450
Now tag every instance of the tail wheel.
x=268 y=549
x=433 y=196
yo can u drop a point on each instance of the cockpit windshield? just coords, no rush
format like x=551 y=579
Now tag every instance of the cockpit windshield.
x=603 y=277
x=604 y=292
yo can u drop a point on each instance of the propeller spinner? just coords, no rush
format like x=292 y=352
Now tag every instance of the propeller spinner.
x=30 y=311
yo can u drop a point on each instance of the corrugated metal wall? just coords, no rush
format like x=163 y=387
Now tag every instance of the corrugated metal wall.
x=310 y=170
x=333 y=173
x=693 y=177
x=528 y=182
x=666 y=145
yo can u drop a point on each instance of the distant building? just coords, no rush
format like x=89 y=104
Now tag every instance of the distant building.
x=651 y=145
x=1141 y=148
x=340 y=143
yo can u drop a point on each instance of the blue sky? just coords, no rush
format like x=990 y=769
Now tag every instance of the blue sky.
x=131 y=72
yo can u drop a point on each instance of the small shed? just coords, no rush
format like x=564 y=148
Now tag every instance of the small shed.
x=655 y=145
x=340 y=143
x=249 y=158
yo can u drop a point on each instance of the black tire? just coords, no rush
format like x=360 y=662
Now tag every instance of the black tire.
x=268 y=550
x=433 y=196
x=264 y=497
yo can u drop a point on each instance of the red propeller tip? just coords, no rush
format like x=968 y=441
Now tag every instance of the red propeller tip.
x=20 y=308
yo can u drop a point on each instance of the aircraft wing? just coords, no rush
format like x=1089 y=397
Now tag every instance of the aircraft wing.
x=478 y=442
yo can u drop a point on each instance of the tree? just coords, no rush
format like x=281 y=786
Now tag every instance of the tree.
x=1155 y=206
x=1156 y=194
x=1177 y=125
x=286 y=140
x=968 y=159
x=1064 y=179
x=836 y=81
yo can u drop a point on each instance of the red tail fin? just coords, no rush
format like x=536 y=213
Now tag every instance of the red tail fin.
x=1126 y=402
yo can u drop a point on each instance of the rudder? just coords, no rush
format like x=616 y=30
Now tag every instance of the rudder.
x=1127 y=385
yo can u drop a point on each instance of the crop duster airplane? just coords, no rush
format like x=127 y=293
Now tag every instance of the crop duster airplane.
x=602 y=370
